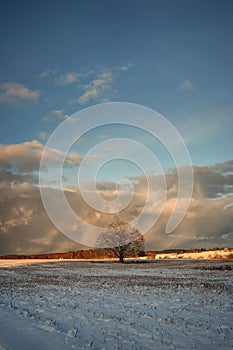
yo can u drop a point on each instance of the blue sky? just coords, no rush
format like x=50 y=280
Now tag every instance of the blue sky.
x=173 y=56
x=176 y=57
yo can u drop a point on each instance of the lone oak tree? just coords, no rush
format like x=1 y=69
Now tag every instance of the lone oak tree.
x=121 y=239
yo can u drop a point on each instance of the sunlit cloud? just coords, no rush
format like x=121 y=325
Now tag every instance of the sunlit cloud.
x=102 y=81
x=68 y=78
x=14 y=93
x=207 y=223
x=90 y=94
x=94 y=83
x=96 y=87
x=55 y=115
x=25 y=157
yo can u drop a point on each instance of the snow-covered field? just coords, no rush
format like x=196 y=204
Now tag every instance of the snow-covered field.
x=175 y=304
x=209 y=254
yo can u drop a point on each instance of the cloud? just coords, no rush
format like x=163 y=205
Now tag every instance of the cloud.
x=208 y=221
x=226 y=167
x=96 y=87
x=44 y=74
x=56 y=114
x=26 y=228
x=93 y=82
x=73 y=77
x=43 y=135
x=68 y=78
x=102 y=81
x=25 y=157
x=14 y=93
x=90 y=94
x=186 y=85
x=48 y=72
x=22 y=157
x=7 y=177
x=24 y=225
x=123 y=67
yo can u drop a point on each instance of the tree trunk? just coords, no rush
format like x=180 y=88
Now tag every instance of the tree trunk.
x=121 y=259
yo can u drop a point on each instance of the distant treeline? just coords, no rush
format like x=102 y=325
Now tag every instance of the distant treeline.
x=79 y=254
x=98 y=254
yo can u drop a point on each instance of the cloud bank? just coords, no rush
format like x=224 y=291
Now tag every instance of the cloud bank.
x=26 y=228
x=25 y=157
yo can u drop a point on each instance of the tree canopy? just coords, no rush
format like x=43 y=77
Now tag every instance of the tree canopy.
x=122 y=239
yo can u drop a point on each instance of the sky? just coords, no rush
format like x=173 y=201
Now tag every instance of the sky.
x=59 y=57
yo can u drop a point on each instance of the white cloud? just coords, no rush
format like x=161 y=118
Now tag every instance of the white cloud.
x=14 y=93
x=186 y=85
x=56 y=114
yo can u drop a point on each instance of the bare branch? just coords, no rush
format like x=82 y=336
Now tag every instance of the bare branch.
x=122 y=239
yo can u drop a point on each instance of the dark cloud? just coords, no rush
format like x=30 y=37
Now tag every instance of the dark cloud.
x=24 y=225
x=212 y=182
x=226 y=167
x=9 y=177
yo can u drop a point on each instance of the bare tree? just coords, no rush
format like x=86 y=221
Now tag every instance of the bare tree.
x=121 y=239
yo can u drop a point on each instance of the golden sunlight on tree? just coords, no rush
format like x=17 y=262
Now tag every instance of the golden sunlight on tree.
x=122 y=240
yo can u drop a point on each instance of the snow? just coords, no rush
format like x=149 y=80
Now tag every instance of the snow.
x=210 y=254
x=17 y=262
x=175 y=304
x=20 y=262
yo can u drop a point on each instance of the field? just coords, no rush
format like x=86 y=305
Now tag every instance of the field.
x=167 y=304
